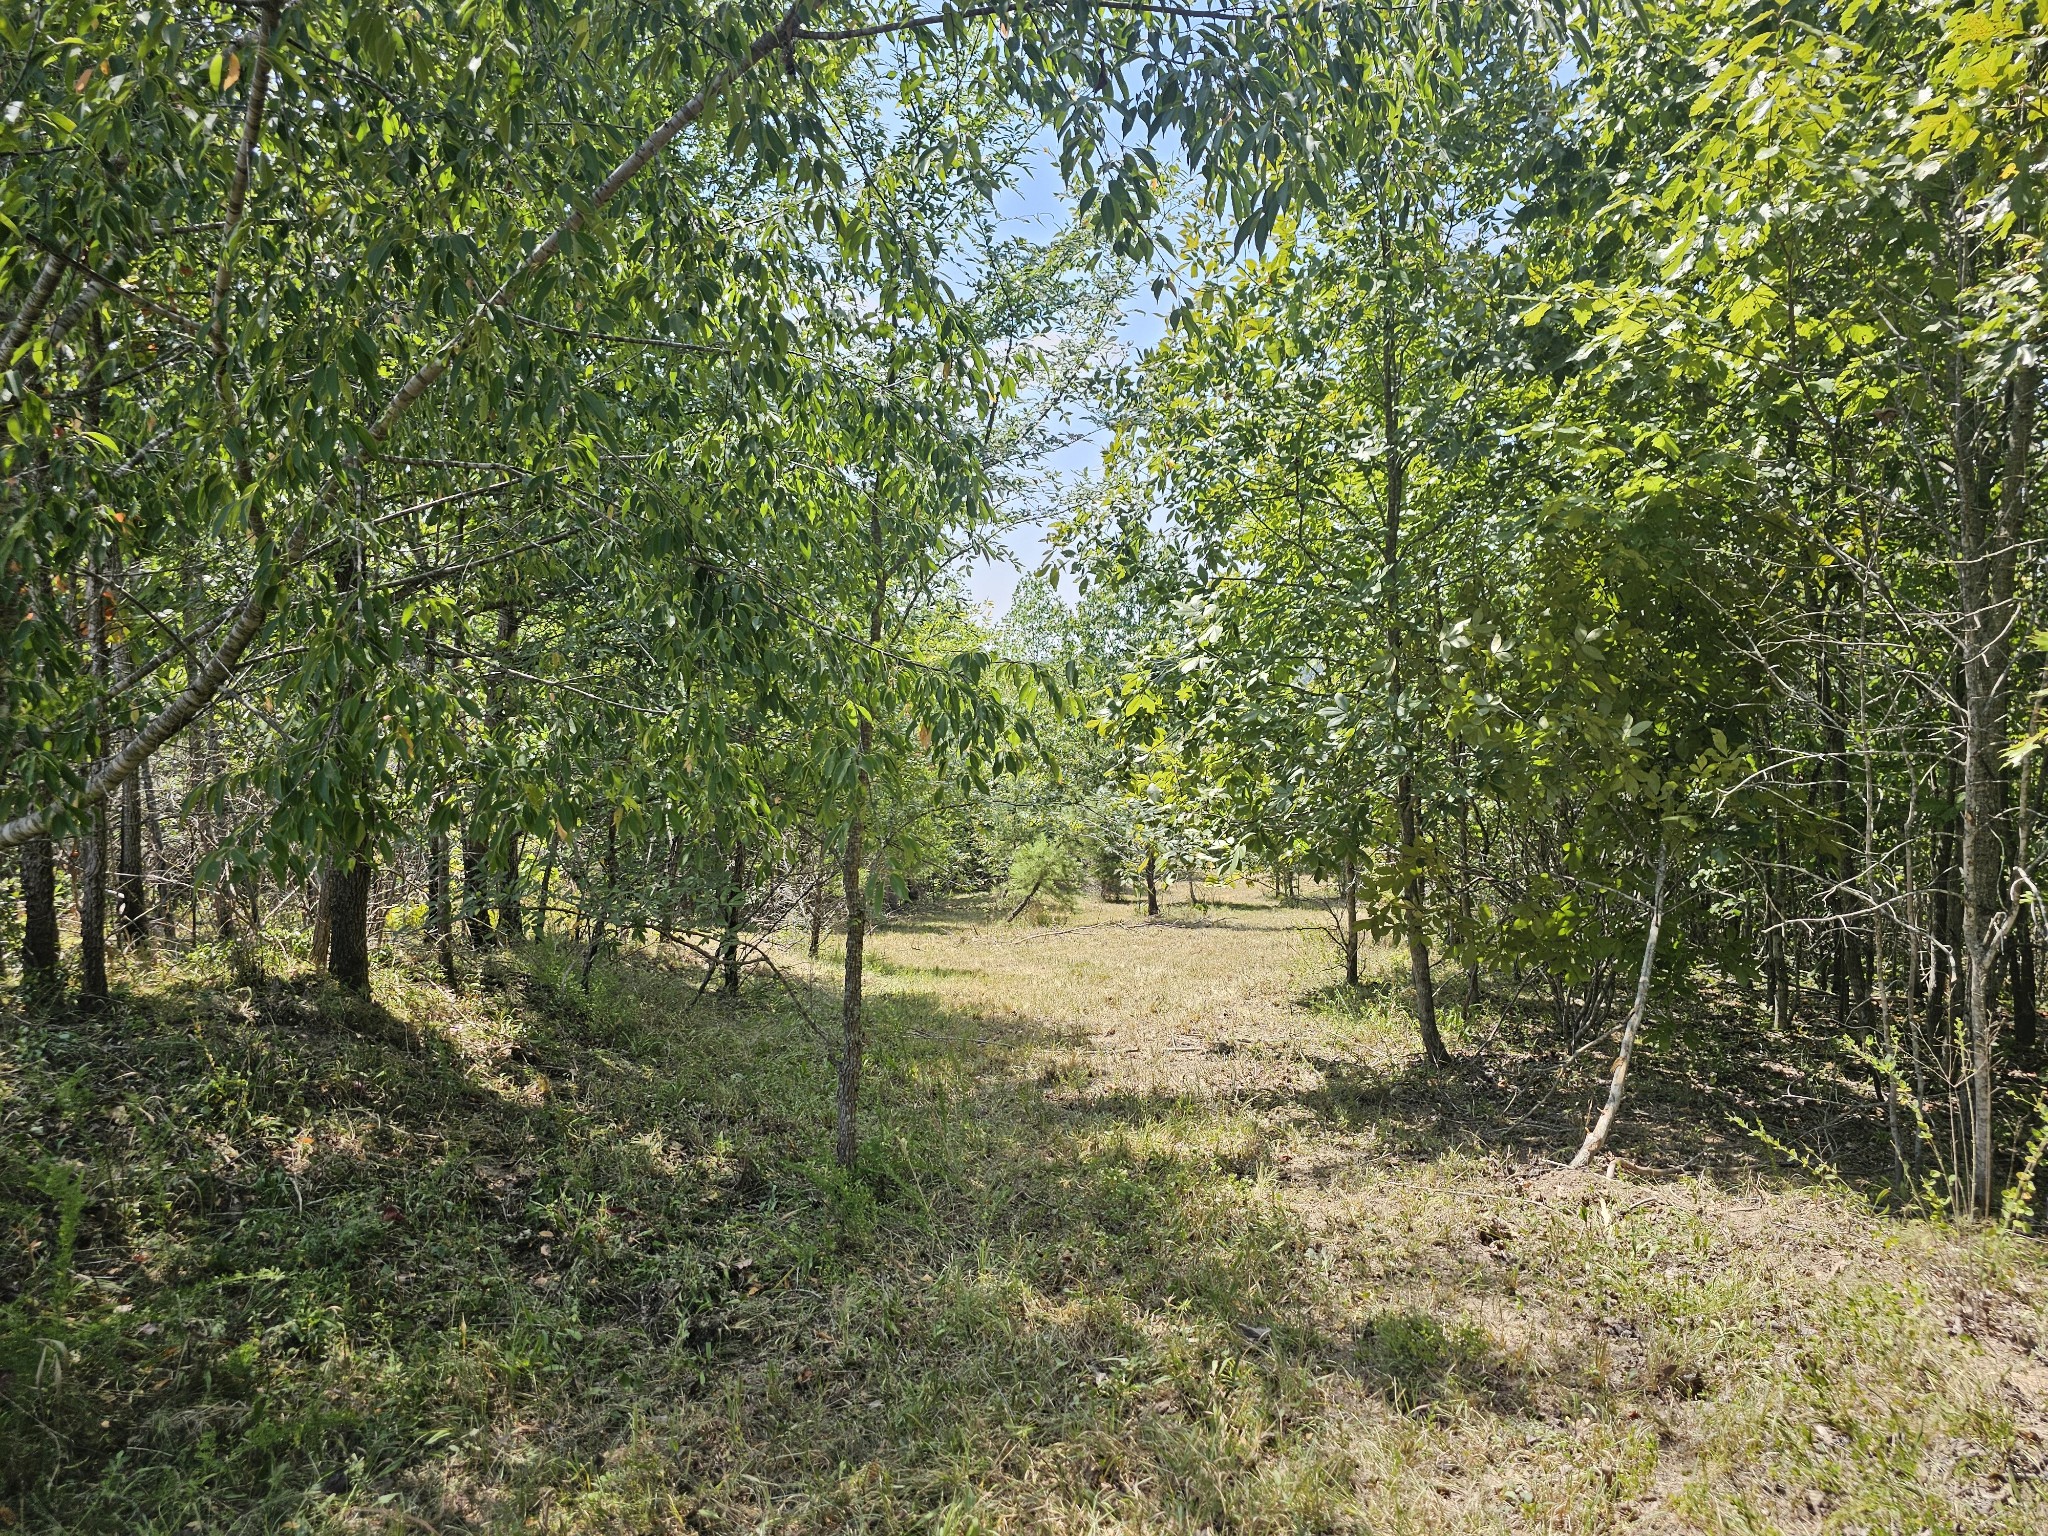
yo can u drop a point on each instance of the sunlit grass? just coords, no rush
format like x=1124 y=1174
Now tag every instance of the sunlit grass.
x=1155 y=1230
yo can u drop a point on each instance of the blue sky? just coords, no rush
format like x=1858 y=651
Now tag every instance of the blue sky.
x=1037 y=207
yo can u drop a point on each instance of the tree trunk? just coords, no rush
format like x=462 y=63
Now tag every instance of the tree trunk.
x=1396 y=483
x=511 y=916
x=159 y=905
x=602 y=920
x=41 y=982
x=2026 y=1018
x=223 y=884
x=1350 y=878
x=547 y=881
x=818 y=902
x=348 y=911
x=1466 y=936
x=134 y=890
x=92 y=843
x=729 y=936
x=1987 y=557
x=852 y=867
x=1151 y=881
x=476 y=885
x=846 y=1145
x=1418 y=933
x=1597 y=1137
x=1029 y=896
x=92 y=908
x=320 y=944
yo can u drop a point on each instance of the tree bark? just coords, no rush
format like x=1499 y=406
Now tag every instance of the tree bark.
x=1396 y=476
x=818 y=902
x=1597 y=1137
x=846 y=1144
x=92 y=908
x=1418 y=934
x=92 y=843
x=1986 y=564
x=1151 y=881
x=320 y=943
x=511 y=912
x=440 y=903
x=476 y=885
x=348 y=905
x=132 y=882
x=852 y=868
x=1350 y=878
x=2026 y=1017
x=223 y=884
x=547 y=881
x=160 y=907
x=41 y=981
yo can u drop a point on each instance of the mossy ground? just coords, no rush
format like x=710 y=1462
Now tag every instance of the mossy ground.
x=1154 y=1231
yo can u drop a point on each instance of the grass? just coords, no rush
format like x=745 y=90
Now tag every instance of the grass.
x=1154 y=1231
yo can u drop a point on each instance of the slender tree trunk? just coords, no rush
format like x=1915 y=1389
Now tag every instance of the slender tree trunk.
x=1396 y=483
x=2026 y=1018
x=818 y=901
x=511 y=914
x=476 y=884
x=1350 y=878
x=159 y=898
x=1597 y=1137
x=1774 y=913
x=1466 y=935
x=1151 y=881
x=500 y=839
x=131 y=876
x=2015 y=502
x=547 y=880
x=92 y=908
x=223 y=884
x=1418 y=934
x=602 y=920
x=133 y=886
x=41 y=980
x=852 y=1042
x=92 y=843
x=320 y=944
x=348 y=911
x=852 y=1027
x=729 y=937
x=441 y=903
x=1029 y=896
x=1987 y=556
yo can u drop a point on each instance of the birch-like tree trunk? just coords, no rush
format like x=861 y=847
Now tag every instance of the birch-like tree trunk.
x=1597 y=1137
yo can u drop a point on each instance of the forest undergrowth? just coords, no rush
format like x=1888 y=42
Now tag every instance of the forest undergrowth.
x=1153 y=1229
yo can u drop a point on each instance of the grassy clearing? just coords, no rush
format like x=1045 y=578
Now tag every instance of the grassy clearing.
x=1155 y=1232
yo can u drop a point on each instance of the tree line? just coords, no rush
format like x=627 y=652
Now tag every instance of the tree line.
x=503 y=470
x=1602 y=537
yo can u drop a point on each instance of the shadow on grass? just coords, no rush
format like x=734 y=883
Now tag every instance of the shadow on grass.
x=529 y=1254
x=1702 y=1075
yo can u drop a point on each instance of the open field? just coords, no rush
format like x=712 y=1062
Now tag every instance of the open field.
x=1157 y=1231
